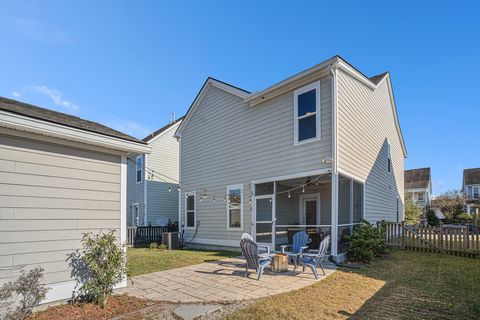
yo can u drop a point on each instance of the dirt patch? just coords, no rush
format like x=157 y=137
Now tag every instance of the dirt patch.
x=116 y=306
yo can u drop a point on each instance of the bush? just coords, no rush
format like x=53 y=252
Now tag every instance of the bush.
x=28 y=290
x=366 y=243
x=464 y=218
x=162 y=247
x=153 y=246
x=432 y=218
x=98 y=266
x=413 y=213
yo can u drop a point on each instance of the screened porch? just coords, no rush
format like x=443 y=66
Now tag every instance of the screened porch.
x=285 y=206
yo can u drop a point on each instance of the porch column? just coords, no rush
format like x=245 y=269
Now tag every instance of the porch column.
x=334 y=214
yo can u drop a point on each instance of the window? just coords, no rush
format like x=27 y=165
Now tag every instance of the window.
x=234 y=207
x=398 y=210
x=190 y=213
x=307 y=113
x=135 y=214
x=420 y=196
x=389 y=159
x=476 y=192
x=138 y=171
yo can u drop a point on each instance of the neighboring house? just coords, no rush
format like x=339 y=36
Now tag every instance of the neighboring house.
x=418 y=186
x=318 y=151
x=152 y=196
x=60 y=177
x=471 y=190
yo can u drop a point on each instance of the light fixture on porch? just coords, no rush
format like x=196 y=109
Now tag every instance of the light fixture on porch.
x=289 y=195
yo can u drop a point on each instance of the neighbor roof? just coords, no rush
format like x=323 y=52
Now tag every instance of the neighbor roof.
x=471 y=176
x=376 y=79
x=161 y=130
x=417 y=178
x=31 y=111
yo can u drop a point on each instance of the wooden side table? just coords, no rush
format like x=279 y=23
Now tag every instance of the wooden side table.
x=280 y=262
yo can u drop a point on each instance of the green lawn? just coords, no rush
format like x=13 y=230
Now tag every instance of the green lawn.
x=404 y=285
x=144 y=260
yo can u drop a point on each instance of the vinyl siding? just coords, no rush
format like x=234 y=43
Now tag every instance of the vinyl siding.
x=164 y=159
x=49 y=195
x=227 y=142
x=365 y=124
x=135 y=191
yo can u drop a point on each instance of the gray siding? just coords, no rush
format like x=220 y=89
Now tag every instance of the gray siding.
x=49 y=195
x=135 y=191
x=365 y=124
x=228 y=142
x=164 y=160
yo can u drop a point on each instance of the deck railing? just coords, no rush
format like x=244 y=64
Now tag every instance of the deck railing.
x=143 y=236
x=450 y=239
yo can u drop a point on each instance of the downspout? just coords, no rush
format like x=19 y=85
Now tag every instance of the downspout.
x=145 y=198
x=334 y=249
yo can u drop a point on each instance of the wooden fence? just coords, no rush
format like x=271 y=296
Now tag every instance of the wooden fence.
x=143 y=236
x=461 y=240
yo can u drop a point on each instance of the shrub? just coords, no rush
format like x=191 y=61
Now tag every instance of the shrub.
x=366 y=242
x=162 y=247
x=464 y=218
x=153 y=246
x=28 y=290
x=432 y=218
x=98 y=266
x=413 y=213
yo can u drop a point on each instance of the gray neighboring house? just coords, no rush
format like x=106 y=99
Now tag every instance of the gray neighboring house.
x=418 y=186
x=471 y=190
x=60 y=176
x=152 y=197
x=318 y=151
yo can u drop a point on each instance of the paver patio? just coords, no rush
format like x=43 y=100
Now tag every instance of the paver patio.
x=219 y=281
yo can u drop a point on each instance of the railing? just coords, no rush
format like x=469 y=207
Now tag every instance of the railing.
x=143 y=236
x=451 y=239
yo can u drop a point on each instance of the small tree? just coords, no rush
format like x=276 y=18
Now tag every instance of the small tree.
x=413 y=213
x=366 y=242
x=432 y=218
x=28 y=291
x=452 y=204
x=98 y=266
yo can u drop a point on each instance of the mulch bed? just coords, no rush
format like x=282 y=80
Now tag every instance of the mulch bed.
x=117 y=305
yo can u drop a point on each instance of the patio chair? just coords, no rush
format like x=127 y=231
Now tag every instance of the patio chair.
x=250 y=252
x=299 y=244
x=265 y=247
x=313 y=258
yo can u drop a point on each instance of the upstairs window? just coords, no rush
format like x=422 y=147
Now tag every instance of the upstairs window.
x=307 y=113
x=389 y=159
x=138 y=171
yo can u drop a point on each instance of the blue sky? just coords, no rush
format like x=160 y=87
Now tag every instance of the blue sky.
x=129 y=64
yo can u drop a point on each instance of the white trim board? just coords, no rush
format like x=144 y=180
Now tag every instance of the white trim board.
x=27 y=124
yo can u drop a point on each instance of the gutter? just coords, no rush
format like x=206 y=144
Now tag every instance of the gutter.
x=333 y=74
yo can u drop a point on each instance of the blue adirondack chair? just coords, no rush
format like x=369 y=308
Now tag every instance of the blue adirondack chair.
x=314 y=258
x=300 y=240
x=254 y=260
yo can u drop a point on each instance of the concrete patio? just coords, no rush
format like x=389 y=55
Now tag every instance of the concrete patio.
x=219 y=281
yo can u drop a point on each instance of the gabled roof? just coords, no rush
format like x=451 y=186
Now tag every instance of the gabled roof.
x=417 y=178
x=31 y=111
x=471 y=176
x=157 y=133
x=295 y=81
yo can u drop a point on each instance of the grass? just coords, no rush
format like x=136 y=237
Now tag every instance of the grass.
x=145 y=260
x=403 y=285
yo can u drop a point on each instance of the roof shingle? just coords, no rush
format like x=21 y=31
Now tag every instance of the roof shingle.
x=417 y=178
x=32 y=111
x=471 y=176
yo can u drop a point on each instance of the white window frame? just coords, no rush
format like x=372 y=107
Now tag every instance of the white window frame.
x=138 y=169
x=296 y=119
x=389 y=158
x=134 y=220
x=194 y=194
x=234 y=187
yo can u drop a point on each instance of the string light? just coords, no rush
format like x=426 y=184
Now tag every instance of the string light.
x=169 y=189
x=303 y=189
x=289 y=196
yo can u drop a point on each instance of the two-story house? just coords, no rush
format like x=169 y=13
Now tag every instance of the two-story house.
x=318 y=151
x=152 y=179
x=418 y=186
x=471 y=190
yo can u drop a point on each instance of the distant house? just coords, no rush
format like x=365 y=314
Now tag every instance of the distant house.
x=318 y=151
x=471 y=190
x=152 y=196
x=418 y=186
x=60 y=176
